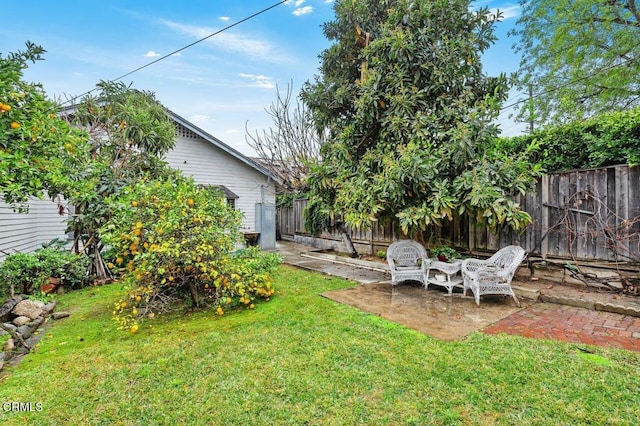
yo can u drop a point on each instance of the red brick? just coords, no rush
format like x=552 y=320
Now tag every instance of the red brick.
x=571 y=324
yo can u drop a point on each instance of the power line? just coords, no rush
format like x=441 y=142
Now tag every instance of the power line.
x=72 y=100
x=201 y=40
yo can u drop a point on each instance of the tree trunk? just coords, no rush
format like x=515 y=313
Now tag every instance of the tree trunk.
x=349 y=244
x=194 y=294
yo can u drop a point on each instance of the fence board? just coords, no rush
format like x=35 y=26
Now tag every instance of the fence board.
x=584 y=222
x=603 y=201
x=554 y=214
x=634 y=208
x=622 y=203
x=533 y=205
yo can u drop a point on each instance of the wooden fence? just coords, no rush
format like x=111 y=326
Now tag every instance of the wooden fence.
x=581 y=215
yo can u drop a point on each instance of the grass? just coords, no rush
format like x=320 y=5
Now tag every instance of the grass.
x=303 y=359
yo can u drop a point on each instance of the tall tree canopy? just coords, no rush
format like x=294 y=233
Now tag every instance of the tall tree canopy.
x=581 y=56
x=409 y=110
x=129 y=133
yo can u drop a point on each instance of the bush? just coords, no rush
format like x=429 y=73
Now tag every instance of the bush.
x=605 y=140
x=173 y=243
x=26 y=272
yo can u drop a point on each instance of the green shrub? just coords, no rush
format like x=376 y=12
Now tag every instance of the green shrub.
x=449 y=253
x=20 y=273
x=25 y=272
x=605 y=140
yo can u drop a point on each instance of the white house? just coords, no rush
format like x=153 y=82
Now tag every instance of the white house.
x=249 y=187
x=25 y=232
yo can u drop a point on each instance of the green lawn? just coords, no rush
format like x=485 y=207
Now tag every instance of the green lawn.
x=303 y=359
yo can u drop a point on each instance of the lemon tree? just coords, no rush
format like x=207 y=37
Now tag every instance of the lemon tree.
x=38 y=150
x=173 y=241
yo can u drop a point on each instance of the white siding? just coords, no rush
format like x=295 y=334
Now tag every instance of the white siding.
x=210 y=165
x=195 y=156
x=25 y=232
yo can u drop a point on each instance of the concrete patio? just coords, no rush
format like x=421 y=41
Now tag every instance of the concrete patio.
x=549 y=309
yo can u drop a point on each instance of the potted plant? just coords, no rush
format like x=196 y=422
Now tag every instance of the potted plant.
x=445 y=253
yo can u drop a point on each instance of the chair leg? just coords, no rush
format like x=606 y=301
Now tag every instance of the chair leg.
x=516 y=299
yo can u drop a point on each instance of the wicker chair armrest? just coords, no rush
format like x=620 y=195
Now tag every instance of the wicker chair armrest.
x=471 y=265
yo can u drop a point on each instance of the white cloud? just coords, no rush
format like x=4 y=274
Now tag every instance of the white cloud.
x=507 y=11
x=232 y=131
x=199 y=118
x=299 y=10
x=303 y=10
x=511 y=12
x=152 y=54
x=231 y=42
x=224 y=18
x=262 y=81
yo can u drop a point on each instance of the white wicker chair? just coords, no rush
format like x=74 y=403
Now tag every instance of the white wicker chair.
x=493 y=275
x=408 y=261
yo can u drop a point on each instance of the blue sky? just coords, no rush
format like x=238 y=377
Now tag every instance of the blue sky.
x=219 y=84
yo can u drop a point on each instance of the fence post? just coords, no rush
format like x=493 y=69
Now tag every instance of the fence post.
x=544 y=216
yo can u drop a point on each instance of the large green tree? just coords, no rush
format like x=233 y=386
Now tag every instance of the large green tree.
x=580 y=57
x=129 y=133
x=409 y=110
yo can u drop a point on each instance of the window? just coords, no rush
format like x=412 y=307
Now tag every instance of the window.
x=229 y=195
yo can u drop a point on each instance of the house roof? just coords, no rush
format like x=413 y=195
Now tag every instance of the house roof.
x=229 y=194
x=207 y=137
x=223 y=146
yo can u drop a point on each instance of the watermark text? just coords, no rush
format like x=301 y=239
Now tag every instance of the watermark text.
x=20 y=407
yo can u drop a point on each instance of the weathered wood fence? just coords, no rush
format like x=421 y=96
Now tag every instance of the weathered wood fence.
x=583 y=214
